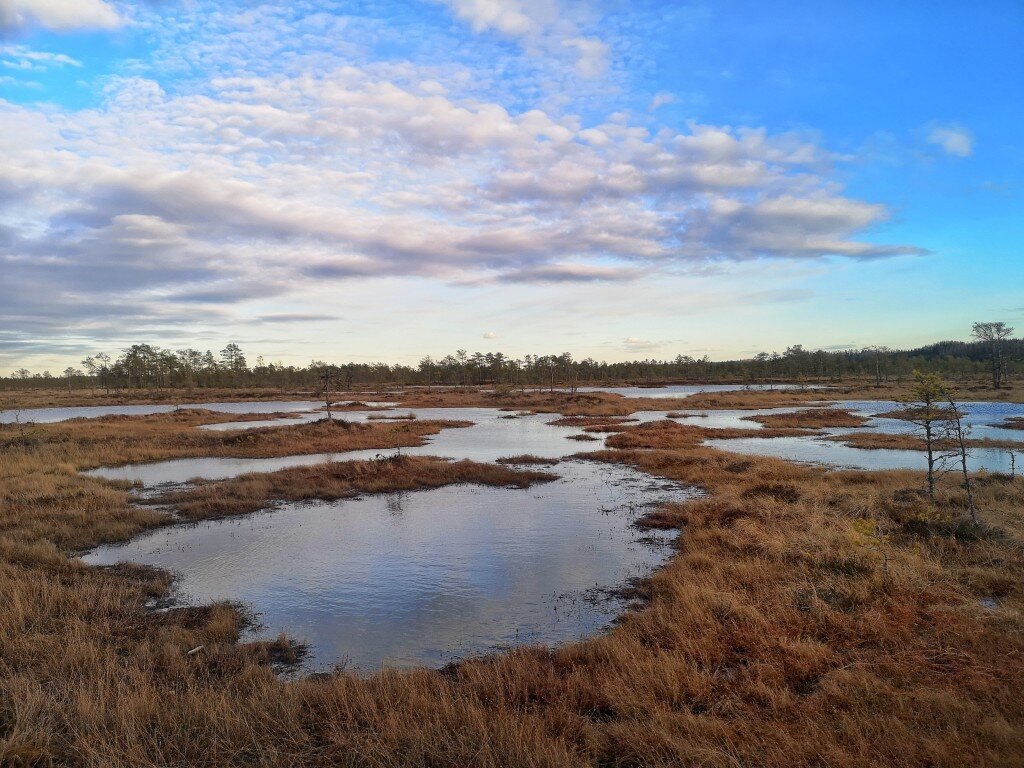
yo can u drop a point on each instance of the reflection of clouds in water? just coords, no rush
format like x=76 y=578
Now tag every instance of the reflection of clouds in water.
x=462 y=569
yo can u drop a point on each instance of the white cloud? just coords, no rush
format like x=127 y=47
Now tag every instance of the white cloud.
x=492 y=335
x=634 y=344
x=952 y=139
x=222 y=191
x=541 y=25
x=660 y=99
x=505 y=16
x=592 y=58
x=20 y=57
x=59 y=15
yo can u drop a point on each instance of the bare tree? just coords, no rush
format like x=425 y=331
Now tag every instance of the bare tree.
x=926 y=409
x=993 y=334
x=959 y=432
x=327 y=376
x=877 y=353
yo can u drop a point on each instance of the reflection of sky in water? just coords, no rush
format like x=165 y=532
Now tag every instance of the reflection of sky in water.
x=491 y=437
x=817 y=451
x=685 y=390
x=422 y=577
x=50 y=415
x=425 y=577
x=979 y=417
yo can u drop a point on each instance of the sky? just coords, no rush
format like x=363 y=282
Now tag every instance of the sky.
x=621 y=180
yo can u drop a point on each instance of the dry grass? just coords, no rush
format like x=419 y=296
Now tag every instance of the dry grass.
x=1013 y=422
x=909 y=442
x=336 y=480
x=114 y=440
x=566 y=404
x=671 y=435
x=811 y=418
x=977 y=388
x=58 y=398
x=528 y=458
x=809 y=618
x=589 y=421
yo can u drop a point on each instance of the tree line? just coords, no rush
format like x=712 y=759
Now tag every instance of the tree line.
x=992 y=352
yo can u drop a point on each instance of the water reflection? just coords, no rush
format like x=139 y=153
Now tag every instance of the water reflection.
x=811 y=450
x=422 y=578
x=491 y=437
x=51 y=415
x=685 y=390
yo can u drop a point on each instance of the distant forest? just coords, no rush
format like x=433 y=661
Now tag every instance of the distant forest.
x=144 y=366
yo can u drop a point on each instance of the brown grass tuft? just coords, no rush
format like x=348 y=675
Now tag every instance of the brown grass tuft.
x=336 y=480
x=811 y=418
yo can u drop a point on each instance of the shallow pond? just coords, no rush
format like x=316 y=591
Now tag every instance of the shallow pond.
x=426 y=577
x=495 y=434
x=980 y=418
x=492 y=436
x=815 y=450
x=51 y=415
x=686 y=390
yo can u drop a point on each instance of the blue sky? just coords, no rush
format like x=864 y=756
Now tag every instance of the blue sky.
x=376 y=180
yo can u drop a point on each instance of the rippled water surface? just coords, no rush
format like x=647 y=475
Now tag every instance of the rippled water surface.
x=426 y=577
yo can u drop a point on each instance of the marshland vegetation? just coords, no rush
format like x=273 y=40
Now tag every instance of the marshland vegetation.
x=808 y=617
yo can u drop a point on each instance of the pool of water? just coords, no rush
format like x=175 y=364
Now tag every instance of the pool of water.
x=51 y=415
x=491 y=437
x=813 y=450
x=980 y=418
x=686 y=390
x=426 y=577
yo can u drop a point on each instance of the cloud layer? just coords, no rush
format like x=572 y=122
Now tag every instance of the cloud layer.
x=164 y=205
x=58 y=15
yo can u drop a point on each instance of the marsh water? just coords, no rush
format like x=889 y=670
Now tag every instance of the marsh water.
x=981 y=419
x=497 y=434
x=427 y=577
x=424 y=577
x=51 y=415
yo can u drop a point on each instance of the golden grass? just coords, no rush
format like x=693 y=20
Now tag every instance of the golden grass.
x=528 y=458
x=128 y=439
x=335 y=480
x=811 y=418
x=566 y=404
x=910 y=442
x=808 y=618
x=589 y=421
x=57 y=398
x=977 y=388
x=671 y=435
